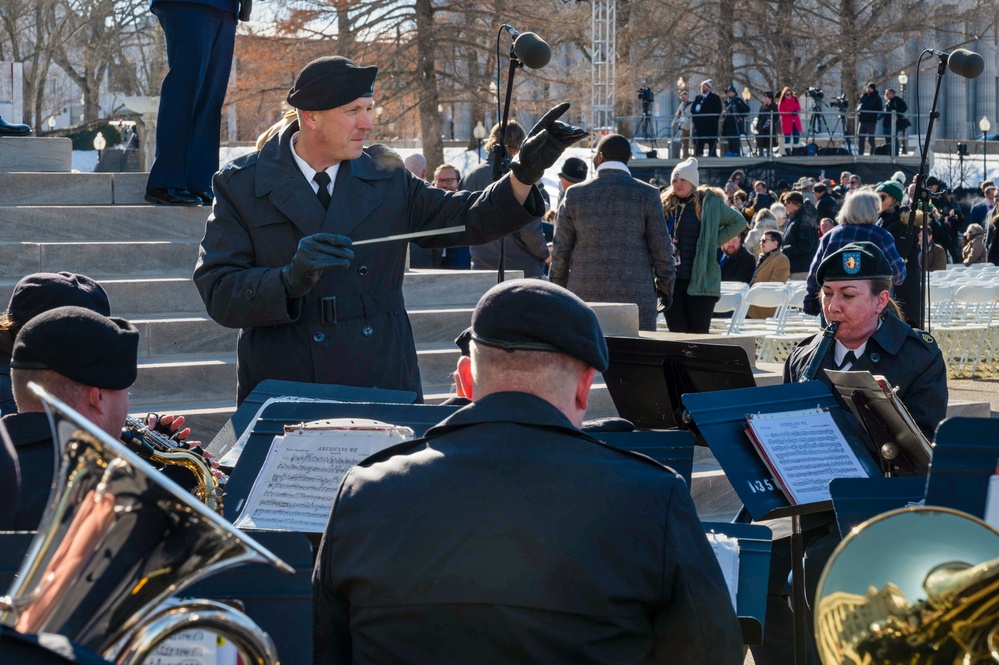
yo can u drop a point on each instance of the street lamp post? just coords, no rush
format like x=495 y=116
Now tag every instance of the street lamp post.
x=903 y=80
x=985 y=126
x=479 y=132
x=51 y=122
x=99 y=144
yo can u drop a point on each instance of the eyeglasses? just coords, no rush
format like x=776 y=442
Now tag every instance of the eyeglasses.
x=446 y=180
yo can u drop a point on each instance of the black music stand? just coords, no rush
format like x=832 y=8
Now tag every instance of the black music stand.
x=965 y=453
x=857 y=500
x=721 y=418
x=754 y=567
x=272 y=389
x=646 y=377
x=420 y=417
x=674 y=448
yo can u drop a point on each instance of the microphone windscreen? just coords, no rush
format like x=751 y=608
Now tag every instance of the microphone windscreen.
x=966 y=63
x=532 y=50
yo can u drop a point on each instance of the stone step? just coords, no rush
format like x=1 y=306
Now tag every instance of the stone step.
x=426 y=289
x=184 y=381
x=40 y=189
x=32 y=153
x=115 y=223
x=177 y=296
x=99 y=260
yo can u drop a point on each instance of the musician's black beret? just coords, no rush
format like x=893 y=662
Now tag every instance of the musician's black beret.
x=329 y=82
x=462 y=341
x=82 y=345
x=41 y=291
x=858 y=260
x=534 y=315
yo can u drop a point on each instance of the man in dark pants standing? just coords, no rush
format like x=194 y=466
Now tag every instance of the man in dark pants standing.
x=706 y=112
x=200 y=36
x=276 y=259
x=524 y=539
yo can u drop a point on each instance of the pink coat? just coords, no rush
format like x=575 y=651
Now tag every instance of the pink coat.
x=789 y=109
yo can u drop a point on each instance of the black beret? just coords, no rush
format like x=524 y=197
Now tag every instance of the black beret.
x=574 y=170
x=858 y=260
x=462 y=341
x=534 y=315
x=82 y=345
x=329 y=82
x=42 y=291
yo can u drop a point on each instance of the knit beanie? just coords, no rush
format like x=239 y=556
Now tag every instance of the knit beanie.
x=687 y=169
x=709 y=83
x=892 y=188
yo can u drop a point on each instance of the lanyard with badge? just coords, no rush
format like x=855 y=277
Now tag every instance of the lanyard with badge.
x=673 y=226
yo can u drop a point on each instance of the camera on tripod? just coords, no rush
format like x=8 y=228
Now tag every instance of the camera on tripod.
x=815 y=93
x=646 y=95
x=840 y=102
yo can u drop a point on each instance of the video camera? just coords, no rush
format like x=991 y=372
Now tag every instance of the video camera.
x=646 y=95
x=815 y=93
x=840 y=102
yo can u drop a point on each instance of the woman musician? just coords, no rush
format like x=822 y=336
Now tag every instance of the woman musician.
x=856 y=283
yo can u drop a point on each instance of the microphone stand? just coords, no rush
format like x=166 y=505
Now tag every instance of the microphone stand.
x=923 y=197
x=499 y=151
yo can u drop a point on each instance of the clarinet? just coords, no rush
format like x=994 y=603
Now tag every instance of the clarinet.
x=828 y=335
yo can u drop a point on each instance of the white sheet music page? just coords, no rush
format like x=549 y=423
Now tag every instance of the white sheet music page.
x=804 y=450
x=298 y=481
x=726 y=550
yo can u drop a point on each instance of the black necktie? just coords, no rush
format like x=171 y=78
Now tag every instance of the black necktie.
x=848 y=359
x=322 y=178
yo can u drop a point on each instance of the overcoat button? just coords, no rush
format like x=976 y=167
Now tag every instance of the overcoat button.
x=362 y=270
x=367 y=331
x=319 y=337
x=875 y=358
x=248 y=292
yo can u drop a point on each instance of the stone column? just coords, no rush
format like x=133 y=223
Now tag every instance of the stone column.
x=148 y=110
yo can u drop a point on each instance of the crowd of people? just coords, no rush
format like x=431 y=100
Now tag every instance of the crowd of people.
x=532 y=539
x=699 y=122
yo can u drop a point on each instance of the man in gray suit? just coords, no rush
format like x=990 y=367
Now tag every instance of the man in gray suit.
x=611 y=242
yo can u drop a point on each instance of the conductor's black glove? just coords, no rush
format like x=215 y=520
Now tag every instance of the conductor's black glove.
x=544 y=145
x=315 y=254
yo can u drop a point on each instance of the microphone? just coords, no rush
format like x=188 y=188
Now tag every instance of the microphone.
x=534 y=51
x=962 y=62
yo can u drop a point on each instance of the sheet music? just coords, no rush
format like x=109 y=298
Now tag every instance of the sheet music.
x=804 y=450
x=303 y=469
x=232 y=456
x=726 y=550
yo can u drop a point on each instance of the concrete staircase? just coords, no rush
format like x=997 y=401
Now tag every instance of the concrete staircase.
x=97 y=224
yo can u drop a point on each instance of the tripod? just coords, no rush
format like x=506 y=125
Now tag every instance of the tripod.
x=647 y=124
x=841 y=123
x=818 y=123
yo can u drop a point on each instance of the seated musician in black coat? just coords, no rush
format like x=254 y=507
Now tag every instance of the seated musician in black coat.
x=509 y=535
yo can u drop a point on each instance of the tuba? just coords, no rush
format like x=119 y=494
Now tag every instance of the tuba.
x=918 y=586
x=117 y=539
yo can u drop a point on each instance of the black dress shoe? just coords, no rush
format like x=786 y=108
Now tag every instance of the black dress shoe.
x=7 y=129
x=171 y=197
x=207 y=198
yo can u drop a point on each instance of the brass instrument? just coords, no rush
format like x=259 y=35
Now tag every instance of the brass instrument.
x=116 y=540
x=828 y=337
x=918 y=586
x=164 y=450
